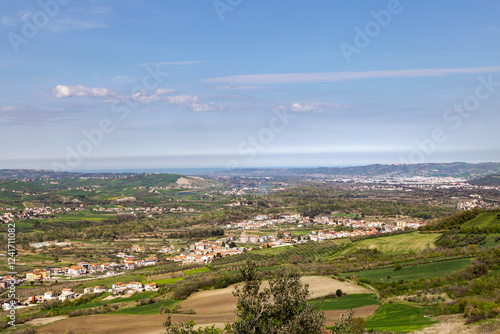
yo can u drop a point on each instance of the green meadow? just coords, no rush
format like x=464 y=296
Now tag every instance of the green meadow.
x=412 y=272
x=399 y=318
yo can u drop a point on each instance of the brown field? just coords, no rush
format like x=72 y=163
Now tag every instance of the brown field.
x=127 y=324
x=222 y=300
x=212 y=307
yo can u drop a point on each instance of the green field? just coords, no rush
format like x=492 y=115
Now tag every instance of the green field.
x=147 y=309
x=197 y=271
x=399 y=318
x=167 y=280
x=395 y=244
x=485 y=220
x=346 y=302
x=413 y=273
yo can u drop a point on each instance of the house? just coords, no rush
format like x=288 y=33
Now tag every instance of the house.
x=150 y=261
x=99 y=289
x=49 y=295
x=119 y=287
x=77 y=271
x=88 y=290
x=150 y=287
x=38 y=274
x=10 y=304
x=66 y=294
x=134 y=286
x=249 y=238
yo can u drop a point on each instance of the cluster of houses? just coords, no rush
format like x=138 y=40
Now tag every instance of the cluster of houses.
x=132 y=287
x=352 y=228
x=85 y=268
x=65 y=294
x=474 y=203
x=6 y=281
x=205 y=251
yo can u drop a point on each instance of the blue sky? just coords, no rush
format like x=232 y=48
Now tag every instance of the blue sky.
x=239 y=83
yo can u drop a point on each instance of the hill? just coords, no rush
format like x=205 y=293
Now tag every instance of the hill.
x=455 y=169
x=489 y=180
x=99 y=187
x=471 y=221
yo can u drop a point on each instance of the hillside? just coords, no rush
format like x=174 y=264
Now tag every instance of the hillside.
x=489 y=180
x=455 y=169
x=88 y=187
x=471 y=221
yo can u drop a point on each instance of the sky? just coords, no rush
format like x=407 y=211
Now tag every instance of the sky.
x=239 y=83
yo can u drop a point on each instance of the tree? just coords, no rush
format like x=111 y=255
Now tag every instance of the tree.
x=188 y=328
x=281 y=308
x=347 y=324
x=338 y=293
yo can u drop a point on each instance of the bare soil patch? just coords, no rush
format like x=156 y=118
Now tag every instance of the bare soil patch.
x=129 y=324
x=45 y=321
x=363 y=312
x=222 y=300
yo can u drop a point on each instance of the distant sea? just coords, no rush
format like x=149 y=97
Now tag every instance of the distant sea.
x=182 y=171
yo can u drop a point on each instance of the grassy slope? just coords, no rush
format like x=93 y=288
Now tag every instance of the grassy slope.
x=411 y=273
x=395 y=244
x=484 y=219
x=399 y=318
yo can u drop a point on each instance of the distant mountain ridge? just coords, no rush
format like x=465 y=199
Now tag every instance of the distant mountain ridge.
x=454 y=169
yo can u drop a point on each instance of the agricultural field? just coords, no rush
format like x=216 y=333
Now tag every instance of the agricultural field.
x=346 y=302
x=222 y=300
x=396 y=244
x=411 y=272
x=307 y=251
x=485 y=221
x=400 y=318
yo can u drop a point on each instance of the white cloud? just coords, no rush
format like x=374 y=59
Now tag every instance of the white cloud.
x=62 y=91
x=206 y=107
x=191 y=102
x=161 y=91
x=280 y=78
x=182 y=100
x=310 y=107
